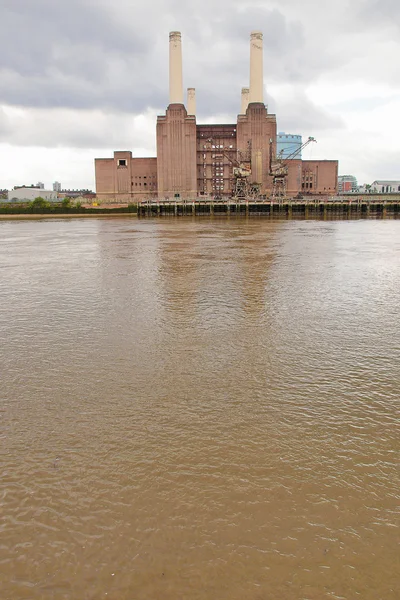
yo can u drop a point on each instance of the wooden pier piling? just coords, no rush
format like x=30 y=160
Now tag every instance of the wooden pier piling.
x=316 y=207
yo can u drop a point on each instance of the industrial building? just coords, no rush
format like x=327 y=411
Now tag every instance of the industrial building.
x=28 y=193
x=214 y=161
x=288 y=144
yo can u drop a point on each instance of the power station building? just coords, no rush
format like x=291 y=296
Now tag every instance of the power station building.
x=204 y=160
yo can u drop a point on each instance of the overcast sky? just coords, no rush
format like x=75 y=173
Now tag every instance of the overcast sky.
x=82 y=78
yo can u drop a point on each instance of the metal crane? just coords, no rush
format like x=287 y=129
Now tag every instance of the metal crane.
x=243 y=187
x=279 y=168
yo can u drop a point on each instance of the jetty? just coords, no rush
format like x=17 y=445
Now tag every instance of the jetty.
x=363 y=205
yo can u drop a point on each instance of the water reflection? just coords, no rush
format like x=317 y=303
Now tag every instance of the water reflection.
x=200 y=407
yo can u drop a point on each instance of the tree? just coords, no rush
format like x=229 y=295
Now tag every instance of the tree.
x=66 y=203
x=39 y=204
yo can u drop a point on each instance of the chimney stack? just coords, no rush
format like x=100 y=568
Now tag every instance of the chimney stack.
x=245 y=100
x=191 y=101
x=256 y=67
x=175 y=68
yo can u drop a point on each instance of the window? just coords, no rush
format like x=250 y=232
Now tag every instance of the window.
x=122 y=162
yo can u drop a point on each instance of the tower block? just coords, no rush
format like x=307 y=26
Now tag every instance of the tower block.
x=176 y=135
x=257 y=127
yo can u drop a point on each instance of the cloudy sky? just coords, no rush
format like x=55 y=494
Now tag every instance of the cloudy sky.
x=82 y=78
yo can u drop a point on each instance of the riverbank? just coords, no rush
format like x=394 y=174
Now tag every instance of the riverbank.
x=36 y=216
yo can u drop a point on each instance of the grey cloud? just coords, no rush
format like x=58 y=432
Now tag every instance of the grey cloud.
x=87 y=54
x=375 y=13
x=361 y=104
x=67 y=91
x=299 y=114
x=5 y=128
x=56 y=128
x=42 y=34
x=389 y=166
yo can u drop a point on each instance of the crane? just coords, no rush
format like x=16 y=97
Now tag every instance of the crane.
x=241 y=169
x=279 y=168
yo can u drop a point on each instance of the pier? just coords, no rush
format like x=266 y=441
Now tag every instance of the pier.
x=314 y=207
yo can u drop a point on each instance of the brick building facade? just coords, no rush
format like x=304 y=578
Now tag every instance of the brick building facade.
x=199 y=160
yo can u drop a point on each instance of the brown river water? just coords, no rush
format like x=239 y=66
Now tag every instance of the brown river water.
x=199 y=409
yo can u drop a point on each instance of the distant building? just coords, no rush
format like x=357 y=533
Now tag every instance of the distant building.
x=28 y=193
x=75 y=193
x=381 y=186
x=288 y=144
x=40 y=185
x=57 y=186
x=347 y=183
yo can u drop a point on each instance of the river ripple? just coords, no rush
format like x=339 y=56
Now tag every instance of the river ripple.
x=199 y=408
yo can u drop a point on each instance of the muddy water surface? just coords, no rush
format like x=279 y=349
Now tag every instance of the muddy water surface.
x=203 y=409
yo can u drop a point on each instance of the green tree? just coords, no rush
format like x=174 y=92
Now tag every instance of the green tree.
x=39 y=204
x=66 y=203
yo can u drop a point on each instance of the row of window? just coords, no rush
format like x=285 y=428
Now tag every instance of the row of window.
x=389 y=189
x=217 y=147
x=208 y=134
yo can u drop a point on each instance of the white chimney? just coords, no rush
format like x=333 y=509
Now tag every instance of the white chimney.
x=191 y=101
x=175 y=68
x=245 y=100
x=256 y=67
